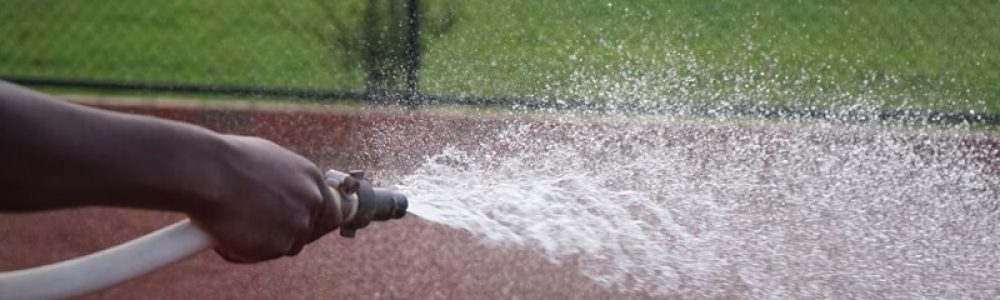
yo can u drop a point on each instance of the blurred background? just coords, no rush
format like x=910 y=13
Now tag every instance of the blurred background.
x=700 y=209
x=889 y=55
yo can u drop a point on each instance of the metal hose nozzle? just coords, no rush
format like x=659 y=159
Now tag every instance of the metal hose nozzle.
x=363 y=203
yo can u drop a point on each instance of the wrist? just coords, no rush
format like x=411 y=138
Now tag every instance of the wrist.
x=211 y=166
x=188 y=170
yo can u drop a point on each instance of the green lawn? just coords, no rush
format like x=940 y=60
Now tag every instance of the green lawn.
x=188 y=41
x=921 y=53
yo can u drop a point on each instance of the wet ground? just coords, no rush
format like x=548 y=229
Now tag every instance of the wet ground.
x=405 y=259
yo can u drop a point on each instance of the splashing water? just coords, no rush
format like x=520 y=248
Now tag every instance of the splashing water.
x=726 y=207
x=716 y=210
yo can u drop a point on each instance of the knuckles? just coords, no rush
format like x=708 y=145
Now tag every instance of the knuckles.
x=276 y=204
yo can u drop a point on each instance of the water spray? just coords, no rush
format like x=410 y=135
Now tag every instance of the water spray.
x=359 y=200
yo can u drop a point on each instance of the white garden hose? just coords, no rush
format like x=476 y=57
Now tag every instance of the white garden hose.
x=112 y=266
x=115 y=265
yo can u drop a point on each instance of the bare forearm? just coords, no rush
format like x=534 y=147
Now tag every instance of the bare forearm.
x=258 y=200
x=57 y=154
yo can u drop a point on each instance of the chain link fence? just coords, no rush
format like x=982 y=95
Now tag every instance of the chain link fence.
x=773 y=58
x=307 y=48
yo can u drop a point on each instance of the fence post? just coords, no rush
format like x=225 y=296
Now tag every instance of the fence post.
x=412 y=95
x=371 y=56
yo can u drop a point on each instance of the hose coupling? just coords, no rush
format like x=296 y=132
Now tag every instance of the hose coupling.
x=362 y=203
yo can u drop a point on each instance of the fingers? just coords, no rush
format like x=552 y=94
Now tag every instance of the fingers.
x=299 y=243
x=320 y=201
x=240 y=240
x=229 y=257
x=275 y=203
x=262 y=247
x=329 y=215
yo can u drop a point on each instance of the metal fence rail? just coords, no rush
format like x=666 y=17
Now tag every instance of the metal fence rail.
x=310 y=49
x=923 y=117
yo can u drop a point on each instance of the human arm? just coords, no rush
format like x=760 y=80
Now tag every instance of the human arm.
x=258 y=200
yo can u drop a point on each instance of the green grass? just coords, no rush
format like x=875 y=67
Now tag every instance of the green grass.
x=187 y=41
x=922 y=53
x=941 y=54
